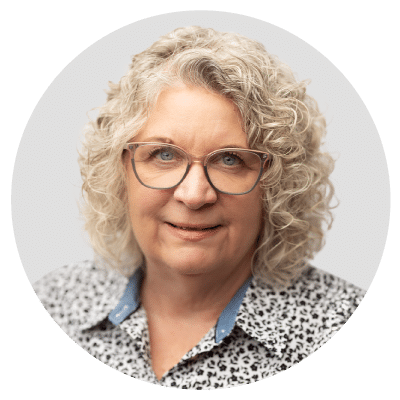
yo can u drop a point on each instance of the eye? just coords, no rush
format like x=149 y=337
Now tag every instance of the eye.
x=163 y=154
x=234 y=161
x=230 y=159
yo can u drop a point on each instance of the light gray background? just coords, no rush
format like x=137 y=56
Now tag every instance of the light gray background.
x=46 y=181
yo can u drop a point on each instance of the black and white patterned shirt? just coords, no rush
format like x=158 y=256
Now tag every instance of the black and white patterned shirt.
x=261 y=332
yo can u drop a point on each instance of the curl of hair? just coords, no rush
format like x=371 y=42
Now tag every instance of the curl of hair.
x=278 y=117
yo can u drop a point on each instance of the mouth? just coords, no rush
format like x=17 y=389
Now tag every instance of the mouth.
x=194 y=228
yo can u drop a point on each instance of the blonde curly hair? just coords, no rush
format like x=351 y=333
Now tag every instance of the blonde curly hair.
x=278 y=118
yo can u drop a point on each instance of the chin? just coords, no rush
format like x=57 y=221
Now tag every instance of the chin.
x=191 y=263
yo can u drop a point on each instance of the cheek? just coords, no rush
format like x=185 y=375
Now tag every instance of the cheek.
x=253 y=206
x=142 y=208
x=143 y=204
x=140 y=198
x=145 y=208
x=248 y=214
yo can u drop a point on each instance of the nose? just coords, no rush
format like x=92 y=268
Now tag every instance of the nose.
x=195 y=191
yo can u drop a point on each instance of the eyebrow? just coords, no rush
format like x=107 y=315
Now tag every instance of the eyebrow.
x=159 y=139
x=170 y=141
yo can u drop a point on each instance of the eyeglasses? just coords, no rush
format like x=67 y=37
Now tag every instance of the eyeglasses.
x=164 y=166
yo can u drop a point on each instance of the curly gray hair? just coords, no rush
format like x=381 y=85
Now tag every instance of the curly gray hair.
x=278 y=118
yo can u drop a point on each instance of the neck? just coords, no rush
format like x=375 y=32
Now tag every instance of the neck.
x=174 y=294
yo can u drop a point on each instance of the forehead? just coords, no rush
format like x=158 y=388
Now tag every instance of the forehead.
x=195 y=119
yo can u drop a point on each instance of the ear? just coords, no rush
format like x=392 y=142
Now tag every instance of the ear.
x=125 y=158
x=126 y=164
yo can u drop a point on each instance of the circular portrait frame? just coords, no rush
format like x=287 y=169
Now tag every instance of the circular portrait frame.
x=73 y=183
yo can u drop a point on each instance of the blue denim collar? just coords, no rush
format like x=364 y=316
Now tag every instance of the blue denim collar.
x=130 y=302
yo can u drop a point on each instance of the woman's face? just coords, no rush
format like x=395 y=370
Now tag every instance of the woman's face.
x=169 y=224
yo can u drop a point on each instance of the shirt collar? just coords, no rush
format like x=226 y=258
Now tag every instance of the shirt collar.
x=108 y=287
x=257 y=308
x=265 y=315
x=227 y=319
x=130 y=302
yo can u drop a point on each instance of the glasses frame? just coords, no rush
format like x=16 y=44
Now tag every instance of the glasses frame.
x=264 y=158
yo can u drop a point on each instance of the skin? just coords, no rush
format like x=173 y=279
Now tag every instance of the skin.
x=190 y=279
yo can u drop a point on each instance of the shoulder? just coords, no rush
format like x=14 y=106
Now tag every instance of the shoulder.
x=80 y=294
x=327 y=302
x=315 y=288
x=76 y=280
x=326 y=291
x=309 y=311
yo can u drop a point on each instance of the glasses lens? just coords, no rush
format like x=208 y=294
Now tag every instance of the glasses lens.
x=235 y=171
x=159 y=166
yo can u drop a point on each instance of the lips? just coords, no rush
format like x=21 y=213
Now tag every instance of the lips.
x=192 y=232
x=194 y=228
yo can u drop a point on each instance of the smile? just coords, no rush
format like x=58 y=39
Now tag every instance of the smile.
x=192 y=233
x=194 y=227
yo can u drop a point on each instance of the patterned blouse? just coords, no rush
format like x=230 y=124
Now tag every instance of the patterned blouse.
x=261 y=332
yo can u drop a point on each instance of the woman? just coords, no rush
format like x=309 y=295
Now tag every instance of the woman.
x=206 y=193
